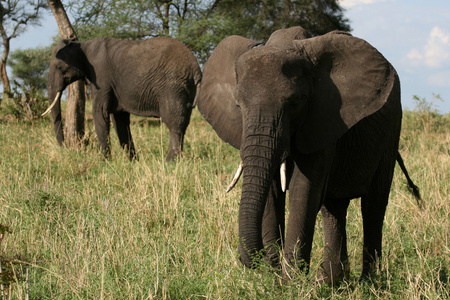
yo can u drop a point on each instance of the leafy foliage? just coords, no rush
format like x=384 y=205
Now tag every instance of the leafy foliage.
x=22 y=103
x=427 y=116
x=27 y=98
x=201 y=25
x=30 y=67
x=15 y=15
x=258 y=19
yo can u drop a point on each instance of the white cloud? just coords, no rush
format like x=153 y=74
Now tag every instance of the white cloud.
x=435 y=53
x=350 y=3
x=415 y=56
x=440 y=79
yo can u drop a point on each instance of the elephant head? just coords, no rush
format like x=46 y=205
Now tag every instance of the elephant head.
x=295 y=95
x=67 y=65
x=285 y=36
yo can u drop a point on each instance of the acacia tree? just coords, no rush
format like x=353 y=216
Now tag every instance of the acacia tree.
x=135 y=19
x=74 y=122
x=201 y=25
x=258 y=19
x=30 y=67
x=15 y=15
x=29 y=73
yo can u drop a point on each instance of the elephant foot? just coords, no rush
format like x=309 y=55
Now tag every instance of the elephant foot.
x=371 y=266
x=292 y=268
x=272 y=258
x=132 y=155
x=106 y=154
x=333 y=273
x=369 y=272
x=172 y=155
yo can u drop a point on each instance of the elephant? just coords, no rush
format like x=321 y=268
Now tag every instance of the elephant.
x=156 y=77
x=326 y=112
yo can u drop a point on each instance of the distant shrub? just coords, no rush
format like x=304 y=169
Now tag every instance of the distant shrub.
x=426 y=116
x=24 y=104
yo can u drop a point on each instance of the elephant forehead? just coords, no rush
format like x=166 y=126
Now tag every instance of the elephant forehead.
x=264 y=90
x=269 y=59
x=268 y=72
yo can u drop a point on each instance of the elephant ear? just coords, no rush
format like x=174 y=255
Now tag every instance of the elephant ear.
x=216 y=101
x=71 y=53
x=284 y=37
x=351 y=80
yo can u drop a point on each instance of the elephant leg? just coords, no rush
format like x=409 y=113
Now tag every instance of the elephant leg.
x=373 y=208
x=273 y=224
x=175 y=144
x=176 y=114
x=102 y=126
x=335 y=264
x=306 y=194
x=121 y=121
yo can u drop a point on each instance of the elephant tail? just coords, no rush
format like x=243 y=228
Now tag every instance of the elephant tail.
x=197 y=93
x=411 y=184
x=197 y=83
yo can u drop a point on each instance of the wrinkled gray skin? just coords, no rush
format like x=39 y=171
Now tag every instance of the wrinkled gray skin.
x=156 y=77
x=330 y=107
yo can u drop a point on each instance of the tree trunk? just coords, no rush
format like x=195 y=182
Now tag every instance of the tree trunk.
x=4 y=74
x=166 y=18
x=74 y=123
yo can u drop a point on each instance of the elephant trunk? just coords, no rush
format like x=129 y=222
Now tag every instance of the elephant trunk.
x=262 y=154
x=54 y=95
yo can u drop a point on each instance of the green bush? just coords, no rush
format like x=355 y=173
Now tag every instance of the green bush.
x=426 y=116
x=23 y=104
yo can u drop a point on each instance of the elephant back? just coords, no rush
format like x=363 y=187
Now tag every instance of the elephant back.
x=285 y=36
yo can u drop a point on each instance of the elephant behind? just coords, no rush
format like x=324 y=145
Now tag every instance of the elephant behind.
x=320 y=116
x=157 y=77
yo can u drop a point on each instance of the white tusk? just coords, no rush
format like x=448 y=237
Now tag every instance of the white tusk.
x=283 y=176
x=58 y=95
x=236 y=177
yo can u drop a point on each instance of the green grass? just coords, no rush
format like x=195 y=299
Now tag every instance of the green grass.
x=86 y=228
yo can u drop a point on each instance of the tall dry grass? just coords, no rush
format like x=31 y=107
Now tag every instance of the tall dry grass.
x=86 y=228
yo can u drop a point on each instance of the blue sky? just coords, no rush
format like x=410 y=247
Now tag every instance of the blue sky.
x=414 y=35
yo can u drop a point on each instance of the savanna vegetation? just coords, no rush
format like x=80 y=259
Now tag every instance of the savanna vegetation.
x=74 y=226
x=199 y=24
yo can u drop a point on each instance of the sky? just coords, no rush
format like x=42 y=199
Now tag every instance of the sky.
x=414 y=35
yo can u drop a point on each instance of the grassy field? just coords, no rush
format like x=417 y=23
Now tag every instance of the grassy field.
x=74 y=226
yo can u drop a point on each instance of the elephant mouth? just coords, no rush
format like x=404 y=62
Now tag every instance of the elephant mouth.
x=240 y=169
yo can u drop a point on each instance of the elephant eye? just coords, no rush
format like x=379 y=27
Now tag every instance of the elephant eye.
x=237 y=105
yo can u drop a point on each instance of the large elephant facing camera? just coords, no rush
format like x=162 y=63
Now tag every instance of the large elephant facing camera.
x=326 y=112
x=155 y=77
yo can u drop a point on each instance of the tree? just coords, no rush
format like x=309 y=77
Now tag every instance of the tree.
x=27 y=99
x=30 y=67
x=74 y=122
x=201 y=25
x=15 y=15
x=136 y=19
x=258 y=19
